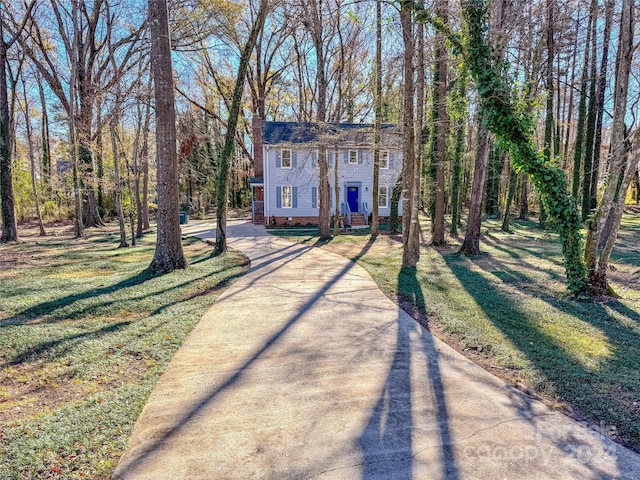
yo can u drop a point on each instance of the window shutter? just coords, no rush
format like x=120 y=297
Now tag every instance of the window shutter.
x=314 y=158
x=345 y=154
x=294 y=197
x=330 y=197
x=390 y=159
x=359 y=156
x=278 y=159
x=279 y=197
x=314 y=197
x=294 y=159
x=330 y=158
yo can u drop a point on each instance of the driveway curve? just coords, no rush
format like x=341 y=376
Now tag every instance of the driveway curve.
x=303 y=369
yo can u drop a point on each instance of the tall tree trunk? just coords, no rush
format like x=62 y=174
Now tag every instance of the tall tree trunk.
x=32 y=158
x=222 y=194
x=375 y=228
x=619 y=167
x=591 y=123
x=471 y=242
x=459 y=114
x=409 y=254
x=46 y=142
x=314 y=22
x=567 y=119
x=136 y=168
x=9 y=225
x=602 y=85
x=116 y=175
x=168 y=255
x=578 y=153
x=144 y=155
x=99 y=157
x=524 y=198
x=441 y=128
x=548 y=123
x=511 y=192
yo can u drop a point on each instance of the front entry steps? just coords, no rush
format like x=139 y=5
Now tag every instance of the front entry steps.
x=358 y=220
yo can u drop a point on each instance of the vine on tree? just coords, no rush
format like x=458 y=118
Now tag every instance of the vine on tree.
x=514 y=131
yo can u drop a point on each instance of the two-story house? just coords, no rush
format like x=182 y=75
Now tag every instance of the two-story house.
x=287 y=193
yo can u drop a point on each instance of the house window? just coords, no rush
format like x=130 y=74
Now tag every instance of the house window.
x=286 y=196
x=384 y=158
x=286 y=158
x=353 y=156
x=383 y=196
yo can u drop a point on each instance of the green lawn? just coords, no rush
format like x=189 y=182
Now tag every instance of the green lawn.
x=509 y=310
x=85 y=332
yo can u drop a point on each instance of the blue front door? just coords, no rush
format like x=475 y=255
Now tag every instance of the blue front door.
x=352 y=198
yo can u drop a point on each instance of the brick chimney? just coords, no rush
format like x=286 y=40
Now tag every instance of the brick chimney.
x=256 y=126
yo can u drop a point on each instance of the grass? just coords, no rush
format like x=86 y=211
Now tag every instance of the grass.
x=85 y=332
x=509 y=311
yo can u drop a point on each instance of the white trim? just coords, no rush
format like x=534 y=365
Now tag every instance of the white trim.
x=282 y=165
x=386 y=197
x=289 y=188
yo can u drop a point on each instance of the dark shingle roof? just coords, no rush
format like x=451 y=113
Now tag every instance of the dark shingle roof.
x=293 y=132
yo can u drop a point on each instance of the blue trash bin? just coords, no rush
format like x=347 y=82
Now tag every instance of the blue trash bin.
x=184 y=218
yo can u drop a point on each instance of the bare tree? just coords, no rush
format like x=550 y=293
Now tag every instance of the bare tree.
x=9 y=226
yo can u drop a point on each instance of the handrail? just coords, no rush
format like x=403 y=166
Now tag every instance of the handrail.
x=365 y=211
x=347 y=211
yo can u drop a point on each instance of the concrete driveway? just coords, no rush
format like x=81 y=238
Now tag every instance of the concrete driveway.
x=303 y=369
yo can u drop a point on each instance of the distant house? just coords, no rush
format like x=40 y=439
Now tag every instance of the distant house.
x=285 y=192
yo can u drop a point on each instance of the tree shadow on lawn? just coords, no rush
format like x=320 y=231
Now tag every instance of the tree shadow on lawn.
x=57 y=309
x=591 y=390
x=63 y=345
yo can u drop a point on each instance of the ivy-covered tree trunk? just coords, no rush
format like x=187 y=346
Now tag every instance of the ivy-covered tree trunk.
x=511 y=128
x=578 y=153
x=458 y=113
x=224 y=162
x=493 y=180
x=591 y=124
x=441 y=127
x=396 y=194
x=46 y=143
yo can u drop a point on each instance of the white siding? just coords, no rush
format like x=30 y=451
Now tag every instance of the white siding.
x=304 y=176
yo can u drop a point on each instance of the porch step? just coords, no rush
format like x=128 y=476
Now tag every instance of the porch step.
x=358 y=220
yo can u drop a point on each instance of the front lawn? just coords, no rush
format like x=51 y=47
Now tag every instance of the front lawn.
x=85 y=332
